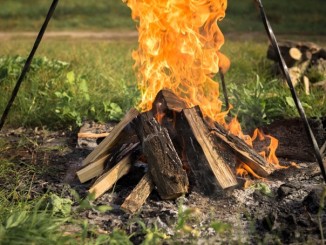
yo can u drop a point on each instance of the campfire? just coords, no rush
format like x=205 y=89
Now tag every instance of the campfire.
x=180 y=131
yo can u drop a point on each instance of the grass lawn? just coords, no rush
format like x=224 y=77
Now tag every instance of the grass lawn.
x=287 y=17
x=72 y=80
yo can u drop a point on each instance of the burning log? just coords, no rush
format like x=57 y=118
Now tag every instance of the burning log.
x=208 y=165
x=243 y=151
x=167 y=102
x=164 y=164
x=166 y=134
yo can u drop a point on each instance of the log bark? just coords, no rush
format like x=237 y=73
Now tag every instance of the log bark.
x=166 y=107
x=291 y=55
x=119 y=131
x=138 y=196
x=306 y=48
x=164 y=164
x=208 y=160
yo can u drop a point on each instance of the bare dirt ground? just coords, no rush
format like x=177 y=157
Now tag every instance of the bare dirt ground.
x=286 y=208
x=129 y=35
x=108 y=35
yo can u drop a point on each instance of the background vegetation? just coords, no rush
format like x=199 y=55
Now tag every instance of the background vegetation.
x=72 y=80
x=289 y=17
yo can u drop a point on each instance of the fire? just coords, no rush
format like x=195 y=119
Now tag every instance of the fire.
x=179 y=50
x=269 y=149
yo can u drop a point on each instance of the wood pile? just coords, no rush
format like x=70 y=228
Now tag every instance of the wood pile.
x=182 y=149
x=306 y=62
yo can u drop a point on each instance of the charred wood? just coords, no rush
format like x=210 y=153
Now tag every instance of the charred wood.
x=245 y=153
x=164 y=164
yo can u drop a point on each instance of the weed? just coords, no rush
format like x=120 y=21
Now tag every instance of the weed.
x=153 y=235
x=58 y=96
x=260 y=102
x=25 y=225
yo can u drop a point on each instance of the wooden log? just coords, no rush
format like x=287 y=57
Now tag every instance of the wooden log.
x=291 y=55
x=306 y=84
x=320 y=54
x=92 y=135
x=243 y=151
x=116 y=134
x=92 y=170
x=207 y=158
x=286 y=45
x=293 y=141
x=107 y=161
x=164 y=164
x=295 y=54
x=138 y=196
x=107 y=180
x=166 y=101
x=166 y=106
x=297 y=72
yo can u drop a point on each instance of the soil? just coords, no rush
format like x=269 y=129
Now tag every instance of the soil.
x=286 y=208
x=107 y=35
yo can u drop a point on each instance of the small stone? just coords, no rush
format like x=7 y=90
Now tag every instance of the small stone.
x=314 y=200
x=285 y=190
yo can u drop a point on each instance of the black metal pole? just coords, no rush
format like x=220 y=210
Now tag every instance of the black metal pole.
x=28 y=63
x=297 y=102
x=225 y=92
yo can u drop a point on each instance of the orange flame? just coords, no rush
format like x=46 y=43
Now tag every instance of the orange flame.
x=179 y=43
x=269 y=151
x=179 y=50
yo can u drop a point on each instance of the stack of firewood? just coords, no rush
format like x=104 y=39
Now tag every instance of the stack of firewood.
x=306 y=62
x=182 y=149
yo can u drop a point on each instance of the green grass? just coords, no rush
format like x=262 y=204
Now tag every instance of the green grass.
x=85 y=79
x=292 y=16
